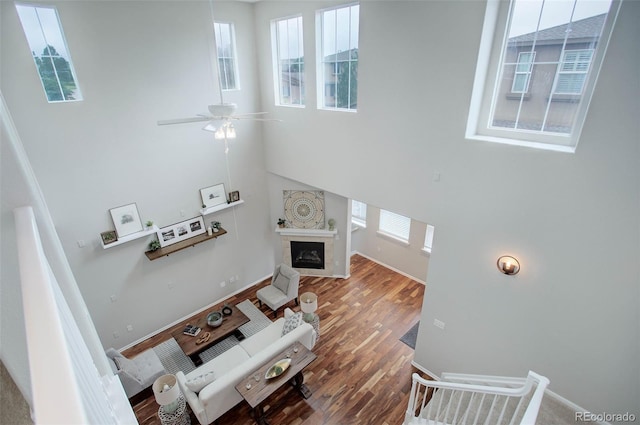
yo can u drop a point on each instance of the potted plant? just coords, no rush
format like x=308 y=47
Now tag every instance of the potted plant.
x=281 y=222
x=215 y=226
x=149 y=224
x=154 y=245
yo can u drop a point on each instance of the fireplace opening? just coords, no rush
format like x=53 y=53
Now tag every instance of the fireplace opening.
x=307 y=255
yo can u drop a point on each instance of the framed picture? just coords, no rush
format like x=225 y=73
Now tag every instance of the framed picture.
x=177 y=232
x=234 y=196
x=213 y=195
x=126 y=219
x=108 y=237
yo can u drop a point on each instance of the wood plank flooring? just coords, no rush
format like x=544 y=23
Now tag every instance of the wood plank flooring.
x=363 y=372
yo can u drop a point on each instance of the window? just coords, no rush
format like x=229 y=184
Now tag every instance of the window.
x=573 y=71
x=358 y=213
x=50 y=53
x=226 y=49
x=395 y=225
x=338 y=58
x=535 y=79
x=288 y=61
x=523 y=72
x=428 y=238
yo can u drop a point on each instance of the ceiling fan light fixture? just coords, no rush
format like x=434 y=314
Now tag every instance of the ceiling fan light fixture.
x=210 y=127
x=222 y=109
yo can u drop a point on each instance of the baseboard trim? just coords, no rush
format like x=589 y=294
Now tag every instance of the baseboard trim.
x=389 y=267
x=425 y=370
x=221 y=300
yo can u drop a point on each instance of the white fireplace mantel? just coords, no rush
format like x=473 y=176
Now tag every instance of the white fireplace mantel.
x=290 y=231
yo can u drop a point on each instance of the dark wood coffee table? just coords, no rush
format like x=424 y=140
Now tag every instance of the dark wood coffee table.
x=260 y=390
x=229 y=326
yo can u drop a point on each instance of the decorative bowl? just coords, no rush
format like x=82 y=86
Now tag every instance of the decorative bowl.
x=278 y=368
x=214 y=319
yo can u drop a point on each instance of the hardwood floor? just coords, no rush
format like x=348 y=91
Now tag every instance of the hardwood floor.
x=363 y=372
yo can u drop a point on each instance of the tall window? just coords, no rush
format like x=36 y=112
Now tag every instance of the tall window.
x=358 y=213
x=428 y=238
x=394 y=225
x=338 y=57
x=542 y=66
x=50 y=53
x=226 y=48
x=288 y=60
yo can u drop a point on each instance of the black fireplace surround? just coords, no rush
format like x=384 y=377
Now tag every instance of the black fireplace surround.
x=307 y=255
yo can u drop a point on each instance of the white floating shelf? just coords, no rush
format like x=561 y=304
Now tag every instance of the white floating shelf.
x=131 y=237
x=291 y=231
x=220 y=207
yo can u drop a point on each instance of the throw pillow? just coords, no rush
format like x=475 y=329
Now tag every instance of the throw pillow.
x=282 y=283
x=291 y=322
x=127 y=366
x=197 y=383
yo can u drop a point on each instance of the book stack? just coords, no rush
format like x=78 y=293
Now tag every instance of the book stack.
x=191 y=330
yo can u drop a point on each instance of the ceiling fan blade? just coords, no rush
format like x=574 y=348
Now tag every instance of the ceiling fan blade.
x=183 y=120
x=249 y=113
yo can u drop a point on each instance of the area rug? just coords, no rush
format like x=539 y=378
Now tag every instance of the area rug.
x=173 y=358
x=410 y=337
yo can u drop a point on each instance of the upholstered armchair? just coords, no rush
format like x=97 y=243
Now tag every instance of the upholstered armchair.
x=138 y=373
x=283 y=288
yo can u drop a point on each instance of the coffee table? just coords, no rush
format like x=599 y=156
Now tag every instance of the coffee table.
x=229 y=326
x=255 y=392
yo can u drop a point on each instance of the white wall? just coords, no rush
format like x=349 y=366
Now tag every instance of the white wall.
x=138 y=62
x=572 y=219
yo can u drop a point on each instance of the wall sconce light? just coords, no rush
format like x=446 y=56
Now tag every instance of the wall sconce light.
x=508 y=265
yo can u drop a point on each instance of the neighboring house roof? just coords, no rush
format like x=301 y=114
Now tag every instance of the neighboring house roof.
x=587 y=29
x=342 y=56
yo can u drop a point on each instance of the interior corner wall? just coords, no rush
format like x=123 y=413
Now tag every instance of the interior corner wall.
x=572 y=220
x=106 y=151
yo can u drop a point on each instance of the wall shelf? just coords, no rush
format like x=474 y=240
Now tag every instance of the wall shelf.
x=211 y=210
x=130 y=237
x=178 y=246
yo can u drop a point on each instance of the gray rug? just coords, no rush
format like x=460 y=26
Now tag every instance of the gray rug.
x=410 y=337
x=173 y=358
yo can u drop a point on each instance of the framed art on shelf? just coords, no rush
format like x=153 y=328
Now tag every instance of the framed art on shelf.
x=126 y=219
x=169 y=235
x=108 y=237
x=213 y=195
x=234 y=196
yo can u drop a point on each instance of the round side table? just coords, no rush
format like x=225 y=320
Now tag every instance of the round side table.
x=315 y=322
x=179 y=417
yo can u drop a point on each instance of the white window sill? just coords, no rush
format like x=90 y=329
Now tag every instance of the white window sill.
x=426 y=252
x=523 y=143
x=393 y=238
x=284 y=105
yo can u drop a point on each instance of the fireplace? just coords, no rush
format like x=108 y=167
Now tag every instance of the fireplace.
x=307 y=255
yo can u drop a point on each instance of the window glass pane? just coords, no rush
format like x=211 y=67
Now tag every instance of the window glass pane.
x=338 y=58
x=289 y=61
x=395 y=225
x=428 y=238
x=548 y=54
x=50 y=54
x=225 y=47
x=359 y=213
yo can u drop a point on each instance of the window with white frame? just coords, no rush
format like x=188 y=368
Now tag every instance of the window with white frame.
x=395 y=225
x=523 y=72
x=358 y=213
x=337 y=62
x=428 y=238
x=536 y=72
x=43 y=31
x=226 y=51
x=288 y=61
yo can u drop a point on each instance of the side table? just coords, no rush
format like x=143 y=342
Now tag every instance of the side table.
x=315 y=322
x=179 y=417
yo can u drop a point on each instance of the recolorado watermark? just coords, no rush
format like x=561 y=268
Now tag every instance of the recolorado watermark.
x=605 y=417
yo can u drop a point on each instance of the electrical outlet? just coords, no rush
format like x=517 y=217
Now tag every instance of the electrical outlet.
x=129 y=328
x=232 y=279
x=170 y=285
x=81 y=244
x=113 y=298
x=438 y=323
x=223 y=284
x=116 y=335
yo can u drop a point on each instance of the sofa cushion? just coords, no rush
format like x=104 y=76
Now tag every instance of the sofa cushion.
x=292 y=322
x=262 y=339
x=197 y=383
x=221 y=364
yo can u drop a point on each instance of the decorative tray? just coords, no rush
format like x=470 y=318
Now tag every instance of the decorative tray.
x=278 y=368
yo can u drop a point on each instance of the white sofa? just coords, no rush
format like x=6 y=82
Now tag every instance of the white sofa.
x=235 y=364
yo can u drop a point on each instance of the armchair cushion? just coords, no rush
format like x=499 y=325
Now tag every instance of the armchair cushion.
x=281 y=282
x=127 y=366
